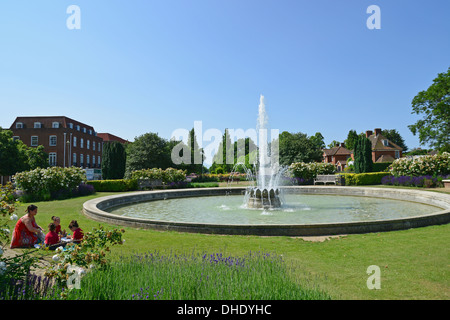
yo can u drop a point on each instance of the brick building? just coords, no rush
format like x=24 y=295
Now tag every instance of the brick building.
x=68 y=142
x=383 y=150
x=338 y=155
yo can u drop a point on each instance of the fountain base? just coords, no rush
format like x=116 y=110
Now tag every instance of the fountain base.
x=263 y=198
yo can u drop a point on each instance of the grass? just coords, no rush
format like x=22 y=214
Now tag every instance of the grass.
x=194 y=276
x=414 y=263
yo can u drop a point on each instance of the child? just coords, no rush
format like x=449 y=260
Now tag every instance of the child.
x=57 y=223
x=52 y=237
x=77 y=232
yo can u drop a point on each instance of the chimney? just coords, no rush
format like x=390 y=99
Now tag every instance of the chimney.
x=368 y=133
x=342 y=144
x=377 y=131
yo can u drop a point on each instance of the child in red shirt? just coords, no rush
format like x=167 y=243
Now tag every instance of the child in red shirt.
x=77 y=232
x=52 y=237
x=57 y=223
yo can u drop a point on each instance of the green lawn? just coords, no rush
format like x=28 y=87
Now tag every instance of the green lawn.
x=415 y=264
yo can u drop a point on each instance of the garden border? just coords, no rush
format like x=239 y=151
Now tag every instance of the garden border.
x=94 y=209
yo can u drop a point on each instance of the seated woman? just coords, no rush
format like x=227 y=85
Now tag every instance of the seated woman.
x=77 y=235
x=26 y=232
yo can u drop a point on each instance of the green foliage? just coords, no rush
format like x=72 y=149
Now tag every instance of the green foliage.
x=166 y=176
x=434 y=105
x=432 y=165
x=118 y=185
x=298 y=147
x=309 y=171
x=395 y=137
x=350 y=142
x=113 y=160
x=148 y=151
x=15 y=156
x=41 y=183
x=89 y=254
x=381 y=166
x=363 y=155
x=362 y=179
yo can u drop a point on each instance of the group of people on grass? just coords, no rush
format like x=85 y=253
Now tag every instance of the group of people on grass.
x=27 y=233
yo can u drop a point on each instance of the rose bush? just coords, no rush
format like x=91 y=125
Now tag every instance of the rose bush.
x=432 y=165
x=308 y=171
x=43 y=184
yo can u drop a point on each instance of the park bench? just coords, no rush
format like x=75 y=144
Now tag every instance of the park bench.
x=149 y=184
x=325 y=178
x=446 y=183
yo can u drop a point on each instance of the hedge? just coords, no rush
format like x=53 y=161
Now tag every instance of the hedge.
x=118 y=185
x=360 y=179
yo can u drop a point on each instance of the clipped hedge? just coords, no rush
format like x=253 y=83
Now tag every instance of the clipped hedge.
x=361 y=179
x=118 y=185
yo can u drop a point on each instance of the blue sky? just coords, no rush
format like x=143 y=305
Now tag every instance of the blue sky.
x=156 y=66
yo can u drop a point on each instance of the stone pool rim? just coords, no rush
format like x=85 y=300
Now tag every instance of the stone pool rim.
x=94 y=209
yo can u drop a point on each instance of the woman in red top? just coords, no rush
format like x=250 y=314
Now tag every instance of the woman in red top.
x=26 y=231
x=52 y=237
x=77 y=232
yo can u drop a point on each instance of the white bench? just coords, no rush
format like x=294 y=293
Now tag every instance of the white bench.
x=325 y=178
x=446 y=183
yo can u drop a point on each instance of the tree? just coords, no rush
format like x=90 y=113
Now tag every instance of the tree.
x=395 y=137
x=148 y=151
x=224 y=158
x=9 y=154
x=352 y=137
x=298 y=147
x=197 y=154
x=114 y=160
x=15 y=156
x=318 y=140
x=434 y=105
x=363 y=155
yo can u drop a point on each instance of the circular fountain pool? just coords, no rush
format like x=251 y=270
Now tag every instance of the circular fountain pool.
x=321 y=210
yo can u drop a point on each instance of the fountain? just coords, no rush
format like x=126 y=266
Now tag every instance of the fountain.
x=266 y=193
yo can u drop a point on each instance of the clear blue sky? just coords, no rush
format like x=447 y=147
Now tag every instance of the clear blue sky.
x=155 y=66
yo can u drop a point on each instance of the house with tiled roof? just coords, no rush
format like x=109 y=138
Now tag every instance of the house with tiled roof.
x=383 y=150
x=337 y=155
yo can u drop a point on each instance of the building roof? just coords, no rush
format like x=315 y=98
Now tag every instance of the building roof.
x=379 y=145
x=48 y=120
x=385 y=158
x=337 y=150
x=110 y=137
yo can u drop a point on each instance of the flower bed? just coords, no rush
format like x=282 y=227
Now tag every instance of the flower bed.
x=426 y=181
x=436 y=165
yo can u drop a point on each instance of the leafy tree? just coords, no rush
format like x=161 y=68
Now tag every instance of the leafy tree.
x=363 y=155
x=114 y=160
x=298 y=147
x=148 y=151
x=395 y=137
x=352 y=137
x=333 y=144
x=318 y=140
x=434 y=105
x=224 y=158
x=15 y=156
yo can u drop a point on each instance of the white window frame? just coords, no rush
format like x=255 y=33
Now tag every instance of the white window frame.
x=93 y=145
x=397 y=154
x=93 y=161
x=37 y=125
x=19 y=125
x=55 y=125
x=36 y=142
x=78 y=127
x=50 y=141
x=71 y=125
x=99 y=162
x=81 y=143
x=52 y=159
x=88 y=158
x=74 y=141
x=88 y=144
x=386 y=142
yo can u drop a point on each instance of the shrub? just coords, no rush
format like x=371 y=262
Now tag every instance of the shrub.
x=358 y=179
x=432 y=165
x=410 y=181
x=119 y=185
x=308 y=171
x=41 y=184
x=166 y=176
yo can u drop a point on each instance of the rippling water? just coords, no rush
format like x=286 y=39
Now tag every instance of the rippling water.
x=299 y=209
